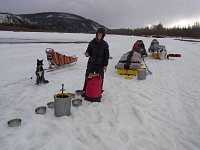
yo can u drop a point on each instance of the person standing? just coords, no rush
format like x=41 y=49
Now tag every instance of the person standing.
x=98 y=53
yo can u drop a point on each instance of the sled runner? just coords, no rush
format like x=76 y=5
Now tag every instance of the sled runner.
x=127 y=72
x=56 y=60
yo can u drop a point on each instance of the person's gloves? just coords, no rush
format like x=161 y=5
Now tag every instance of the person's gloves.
x=86 y=54
x=104 y=68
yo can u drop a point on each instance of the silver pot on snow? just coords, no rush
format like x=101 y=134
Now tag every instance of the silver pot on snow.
x=62 y=104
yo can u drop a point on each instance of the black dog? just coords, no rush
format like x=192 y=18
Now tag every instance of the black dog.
x=40 y=73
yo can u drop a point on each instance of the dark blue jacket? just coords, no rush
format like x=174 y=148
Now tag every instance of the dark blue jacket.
x=98 y=52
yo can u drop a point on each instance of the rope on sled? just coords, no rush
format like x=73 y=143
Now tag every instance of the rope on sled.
x=46 y=74
x=15 y=82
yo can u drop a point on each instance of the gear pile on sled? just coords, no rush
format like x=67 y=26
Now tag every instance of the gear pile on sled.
x=130 y=62
x=56 y=59
x=140 y=48
x=159 y=51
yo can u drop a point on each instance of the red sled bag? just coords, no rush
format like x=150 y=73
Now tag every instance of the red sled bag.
x=93 y=89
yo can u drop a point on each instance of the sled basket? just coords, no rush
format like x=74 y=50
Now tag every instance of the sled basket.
x=56 y=59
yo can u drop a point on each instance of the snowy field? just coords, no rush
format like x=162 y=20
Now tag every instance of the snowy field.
x=159 y=113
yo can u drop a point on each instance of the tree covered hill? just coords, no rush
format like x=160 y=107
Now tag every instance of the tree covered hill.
x=48 y=21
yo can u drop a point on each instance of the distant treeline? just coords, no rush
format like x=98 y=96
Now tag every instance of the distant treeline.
x=159 y=31
x=120 y=31
x=156 y=30
x=27 y=28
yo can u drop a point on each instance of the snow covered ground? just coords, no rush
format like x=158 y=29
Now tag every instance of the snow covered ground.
x=159 y=113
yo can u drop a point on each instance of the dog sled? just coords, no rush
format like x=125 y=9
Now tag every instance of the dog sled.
x=129 y=63
x=159 y=51
x=57 y=60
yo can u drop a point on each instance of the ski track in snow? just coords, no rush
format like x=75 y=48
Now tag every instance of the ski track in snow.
x=159 y=113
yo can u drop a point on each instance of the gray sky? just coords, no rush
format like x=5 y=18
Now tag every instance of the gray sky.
x=115 y=13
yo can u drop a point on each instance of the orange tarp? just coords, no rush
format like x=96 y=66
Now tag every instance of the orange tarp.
x=58 y=59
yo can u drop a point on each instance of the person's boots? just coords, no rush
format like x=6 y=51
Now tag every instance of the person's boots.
x=83 y=94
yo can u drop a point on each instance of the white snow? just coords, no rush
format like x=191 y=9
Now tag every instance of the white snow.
x=5 y=18
x=159 y=113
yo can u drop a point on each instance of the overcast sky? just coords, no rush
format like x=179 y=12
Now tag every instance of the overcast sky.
x=115 y=13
